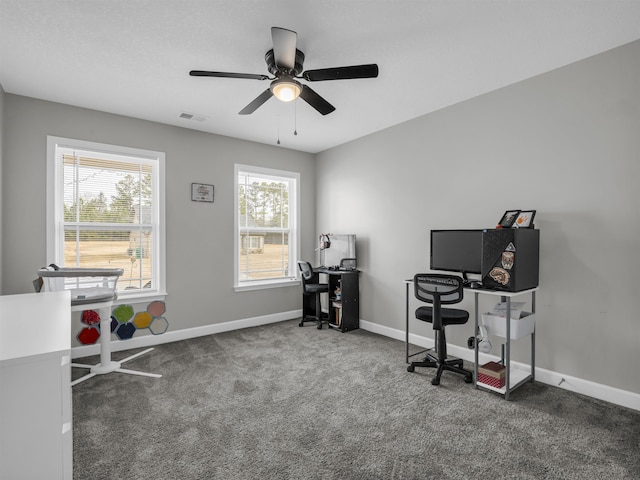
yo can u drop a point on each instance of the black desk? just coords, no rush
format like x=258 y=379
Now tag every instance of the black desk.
x=344 y=312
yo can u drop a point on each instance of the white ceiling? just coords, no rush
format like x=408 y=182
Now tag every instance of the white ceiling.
x=132 y=57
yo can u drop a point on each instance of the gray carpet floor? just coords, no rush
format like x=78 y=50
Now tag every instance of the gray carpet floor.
x=284 y=402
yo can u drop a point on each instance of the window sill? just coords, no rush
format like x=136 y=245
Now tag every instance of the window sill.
x=245 y=287
x=126 y=298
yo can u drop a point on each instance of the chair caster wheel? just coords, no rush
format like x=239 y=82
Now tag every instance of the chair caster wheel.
x=411 y=368
x=301 y=324
x=435 y=381
x=468 y=379
x=319 y=326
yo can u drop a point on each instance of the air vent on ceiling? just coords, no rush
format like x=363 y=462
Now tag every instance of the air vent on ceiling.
x=193 y=116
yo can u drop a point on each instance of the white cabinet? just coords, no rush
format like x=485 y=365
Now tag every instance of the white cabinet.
x=35 y=386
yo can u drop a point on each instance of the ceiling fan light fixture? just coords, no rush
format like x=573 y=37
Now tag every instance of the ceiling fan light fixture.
x=284 y=63
x=285 y=89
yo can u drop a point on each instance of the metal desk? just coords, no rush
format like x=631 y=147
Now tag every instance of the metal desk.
x=513 y=380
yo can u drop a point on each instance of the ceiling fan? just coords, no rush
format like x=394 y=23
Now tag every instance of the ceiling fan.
x=284 y=62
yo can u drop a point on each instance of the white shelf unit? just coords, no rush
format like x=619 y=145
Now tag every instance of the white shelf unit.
x=35 y=379
x=513 y=378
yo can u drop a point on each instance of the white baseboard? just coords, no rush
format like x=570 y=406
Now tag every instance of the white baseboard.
x=185 y=334
x=567 y=382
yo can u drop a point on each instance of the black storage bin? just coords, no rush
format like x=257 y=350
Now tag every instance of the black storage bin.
x=510 y=259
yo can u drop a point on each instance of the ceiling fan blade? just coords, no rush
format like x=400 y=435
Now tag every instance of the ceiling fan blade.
x=316 y=101
x=342 y=73
x=284 y=47
x=249 y=76
x=257 y=102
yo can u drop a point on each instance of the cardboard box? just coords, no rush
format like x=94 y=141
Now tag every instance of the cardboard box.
x=492 y=373
x=338 y=312
x=520 y=327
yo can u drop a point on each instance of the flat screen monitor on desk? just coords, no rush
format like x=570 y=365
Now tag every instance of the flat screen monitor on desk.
x=456 y=251
x=340 y=247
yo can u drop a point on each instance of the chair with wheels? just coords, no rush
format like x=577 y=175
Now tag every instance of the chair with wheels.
x=311 y=287
x=438 y=290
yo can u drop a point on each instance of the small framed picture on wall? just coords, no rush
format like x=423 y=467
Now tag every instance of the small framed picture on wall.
x=201 y=192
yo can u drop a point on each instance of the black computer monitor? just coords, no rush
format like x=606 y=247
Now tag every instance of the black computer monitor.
x=456 y=251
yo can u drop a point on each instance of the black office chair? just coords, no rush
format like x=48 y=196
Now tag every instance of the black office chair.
x=311 y=286
x=438 y=290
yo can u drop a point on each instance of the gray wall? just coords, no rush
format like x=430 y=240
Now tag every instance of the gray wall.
x=1 y=168
x=566 y=143
x=199 y=235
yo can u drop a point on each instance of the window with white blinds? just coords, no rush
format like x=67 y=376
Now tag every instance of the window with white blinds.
x=266 y=227
x=106 y=210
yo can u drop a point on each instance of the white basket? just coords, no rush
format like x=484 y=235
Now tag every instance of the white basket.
x=520 y=327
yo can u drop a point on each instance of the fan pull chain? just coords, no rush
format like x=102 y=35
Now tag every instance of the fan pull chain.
x=278 y=130
x=295 y=117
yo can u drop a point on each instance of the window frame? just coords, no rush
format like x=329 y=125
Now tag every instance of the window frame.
x=294 y=228
x=55 y=209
